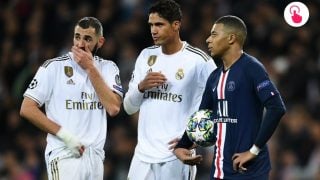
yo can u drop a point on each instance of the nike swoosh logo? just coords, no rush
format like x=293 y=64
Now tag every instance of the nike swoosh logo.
x=213 y=89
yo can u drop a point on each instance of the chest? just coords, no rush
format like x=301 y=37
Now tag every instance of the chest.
x=231 y=85
x=73 y=83
x=179 y=71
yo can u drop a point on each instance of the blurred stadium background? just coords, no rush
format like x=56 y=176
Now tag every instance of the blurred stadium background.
x=35 y=30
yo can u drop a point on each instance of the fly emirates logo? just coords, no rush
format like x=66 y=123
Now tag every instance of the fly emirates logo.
x=88 y=102
x=161 y=93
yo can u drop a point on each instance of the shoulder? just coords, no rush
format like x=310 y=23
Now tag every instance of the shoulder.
x=253 y=67
x=192 y=51
x=106 y=63
x=216 y=72
x=56 y=60
x=252 y=62
x=151 y=50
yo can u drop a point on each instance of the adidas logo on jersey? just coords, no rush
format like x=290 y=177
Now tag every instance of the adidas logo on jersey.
x=70 y=81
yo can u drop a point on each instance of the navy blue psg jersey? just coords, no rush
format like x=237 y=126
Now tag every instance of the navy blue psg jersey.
x=237 y=96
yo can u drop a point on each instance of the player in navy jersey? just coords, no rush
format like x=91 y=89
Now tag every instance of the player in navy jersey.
x=238 y=92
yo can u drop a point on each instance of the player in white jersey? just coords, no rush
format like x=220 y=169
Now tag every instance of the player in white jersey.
x=77 y=89
x=166 y=86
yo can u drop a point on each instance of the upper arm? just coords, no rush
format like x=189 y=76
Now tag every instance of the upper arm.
x=263 y=86
x=113 y=79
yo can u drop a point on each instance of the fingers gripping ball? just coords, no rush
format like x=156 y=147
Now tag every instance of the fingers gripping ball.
x=200 y=128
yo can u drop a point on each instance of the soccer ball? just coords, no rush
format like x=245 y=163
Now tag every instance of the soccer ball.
x=200 y=128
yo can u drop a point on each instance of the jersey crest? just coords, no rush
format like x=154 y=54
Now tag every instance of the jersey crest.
x=152 y=59
x=68 y=71
x=179 y=74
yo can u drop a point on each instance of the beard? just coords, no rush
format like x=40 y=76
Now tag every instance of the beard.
x=95 y=50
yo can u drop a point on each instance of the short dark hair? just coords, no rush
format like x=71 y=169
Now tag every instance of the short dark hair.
x=167 y=9
x=234 y=24
x=87 y=22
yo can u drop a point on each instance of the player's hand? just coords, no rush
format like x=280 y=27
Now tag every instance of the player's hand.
x=240 y=159
x=187 y=156
x=151 y=80
x=173 y=143
x=71 y=142
x=83 y=57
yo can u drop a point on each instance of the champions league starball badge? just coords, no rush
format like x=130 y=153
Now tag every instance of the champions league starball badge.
x=33 y=84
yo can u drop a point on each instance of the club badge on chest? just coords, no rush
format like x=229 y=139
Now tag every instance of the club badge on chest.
x=179 y=74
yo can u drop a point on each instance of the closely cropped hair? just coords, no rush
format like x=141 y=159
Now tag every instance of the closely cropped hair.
x=167 y=9
x=93 y=22
x=236 y=25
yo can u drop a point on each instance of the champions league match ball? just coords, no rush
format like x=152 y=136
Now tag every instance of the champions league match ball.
x=200 y=128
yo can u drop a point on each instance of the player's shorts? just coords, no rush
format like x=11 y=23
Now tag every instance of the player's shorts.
x=62 y=165
x=171 y=170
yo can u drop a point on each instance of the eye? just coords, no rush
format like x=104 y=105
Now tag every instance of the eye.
x=88 y=39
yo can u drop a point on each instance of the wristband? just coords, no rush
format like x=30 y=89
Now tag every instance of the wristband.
x=63 y=134
x=254 y=150
x=71 y=141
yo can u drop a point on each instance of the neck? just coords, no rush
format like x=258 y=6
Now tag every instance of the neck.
x=172 y=47
x=230 y=58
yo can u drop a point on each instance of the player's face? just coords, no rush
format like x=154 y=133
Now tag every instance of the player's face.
x=162 y=31
x=218 y=41
x=87 y=38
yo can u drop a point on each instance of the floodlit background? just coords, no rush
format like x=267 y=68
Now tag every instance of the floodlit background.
x=32 y=31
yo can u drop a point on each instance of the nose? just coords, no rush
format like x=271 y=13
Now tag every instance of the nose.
x=80 y=43
x=153 y=30
x=208 y=40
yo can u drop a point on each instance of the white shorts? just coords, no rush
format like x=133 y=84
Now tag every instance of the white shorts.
x=62 y=165
x=172 y=170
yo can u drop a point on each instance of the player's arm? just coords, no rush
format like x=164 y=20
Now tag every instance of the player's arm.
x=31 y=111
x=275 y=109
x=110 y=100
x=183 y=152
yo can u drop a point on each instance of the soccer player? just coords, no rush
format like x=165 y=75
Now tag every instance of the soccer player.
x=77 y=89
x=238 y=92
x=167 y=84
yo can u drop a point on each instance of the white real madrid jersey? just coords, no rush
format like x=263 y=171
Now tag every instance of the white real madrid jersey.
x=164 y=109
x=71 y=101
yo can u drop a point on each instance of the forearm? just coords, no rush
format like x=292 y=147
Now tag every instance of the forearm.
x=110 y=100
x=31 y=111
x=275 y=109
x=132 y=100
x=184 y=142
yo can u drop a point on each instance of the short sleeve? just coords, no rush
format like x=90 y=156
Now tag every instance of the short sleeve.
x=113 y=79
x=40 y=87
x=206 y=69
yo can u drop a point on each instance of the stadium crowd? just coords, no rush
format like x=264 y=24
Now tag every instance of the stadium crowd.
x=33 y=31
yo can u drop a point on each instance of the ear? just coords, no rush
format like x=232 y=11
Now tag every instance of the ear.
x=101 y=41
x=232 y=38
x=176 y=25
